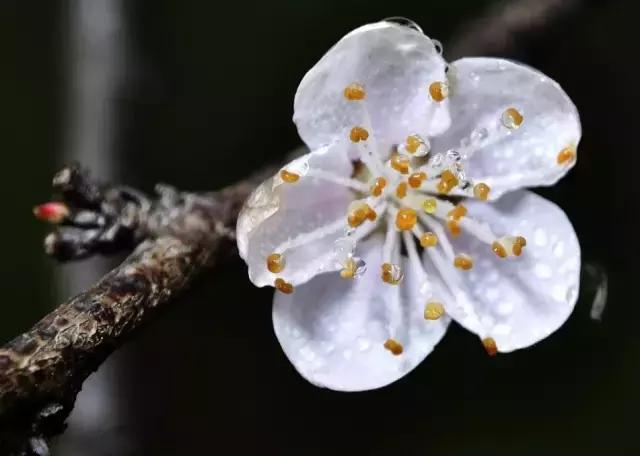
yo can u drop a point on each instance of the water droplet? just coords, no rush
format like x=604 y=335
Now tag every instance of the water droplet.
x=400 y=20
x=540 y=237
x=453 y=156
x=360 y=267
x=363 y=344
x=479 y=134
x=438 y=45
x=505 y=308
x=543 y=271
x=343 y=249
x=475 y=77
x=558 y=249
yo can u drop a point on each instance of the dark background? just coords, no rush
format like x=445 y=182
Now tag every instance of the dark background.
x=204 y=97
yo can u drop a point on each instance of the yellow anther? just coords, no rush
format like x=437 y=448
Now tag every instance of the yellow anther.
x=429 y=205
x=415 y=179
x=401 y=190
x=566 y=156
x=490 y=346
x=457 y=212
x=428 y=239
x=358 y=134
x=518 y=244
x=512 y=118
x=400 y=163
x=354 y=92
x=463 y=262
x=499 y=249
x=433 y=310
x=349 y=270
x=283 y=286
x=406 y=218
x=481 y=191
x=378 y=186
x=359 y=212
x=454 y=227
x=275 y=263
x=391 y=273
x=393 y=346
x=412 y=143
x=447 y=182
x=289 y=177
x=439 y=91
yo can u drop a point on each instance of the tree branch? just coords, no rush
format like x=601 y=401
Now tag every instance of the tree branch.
x=42 y=370
x=177 y=236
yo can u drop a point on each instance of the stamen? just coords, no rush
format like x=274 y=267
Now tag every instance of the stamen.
x=429 y=205
x=283 y=286
x=417 y=146
x=499 y=249
x=401 y=190
x=438 y=91
x=490 y=346
x=433 y=310
x=400 y=163
x=415 y=179
x=481 y=191
x=354 y=267
x=358 y=212
x=358 y=134
x=566 y=155
x=508 y=246
x=391 y=273
x=289 y=177
x=448 y=181
x=393 y=346
x=354 y=92
x=512 y=118
x=428 y=239
x=406 y=219
x=275 y=263
x=454 y=227
x=457 y=212
x=378 y=186
x=463 y=262
x=518 y=244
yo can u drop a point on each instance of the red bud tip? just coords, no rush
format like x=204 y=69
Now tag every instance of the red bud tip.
x=52 y=212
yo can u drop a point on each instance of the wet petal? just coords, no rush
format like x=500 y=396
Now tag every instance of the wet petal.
x=395 y=64
x=509 y=151
x=333 y=330
x=521 y=300
x=278 y=212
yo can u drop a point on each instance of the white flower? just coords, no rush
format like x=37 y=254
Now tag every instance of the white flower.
x=408 y=211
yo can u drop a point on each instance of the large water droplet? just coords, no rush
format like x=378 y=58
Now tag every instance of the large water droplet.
x=406 y=22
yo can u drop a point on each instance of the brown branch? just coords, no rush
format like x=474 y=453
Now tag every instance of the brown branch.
x=177 y=236
x=42 y=370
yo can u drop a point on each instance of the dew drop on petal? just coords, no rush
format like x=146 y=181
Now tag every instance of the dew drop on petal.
x=406 y=22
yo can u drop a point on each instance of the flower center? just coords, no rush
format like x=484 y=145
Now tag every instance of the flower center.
x=408 y=195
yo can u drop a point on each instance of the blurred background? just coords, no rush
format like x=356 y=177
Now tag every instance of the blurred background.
x=198 y=95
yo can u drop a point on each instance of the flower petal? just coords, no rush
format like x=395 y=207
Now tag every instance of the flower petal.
x=333 y=330
x=521 y=300
x=278 y=212
x=395 y=64
x=506 y=159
